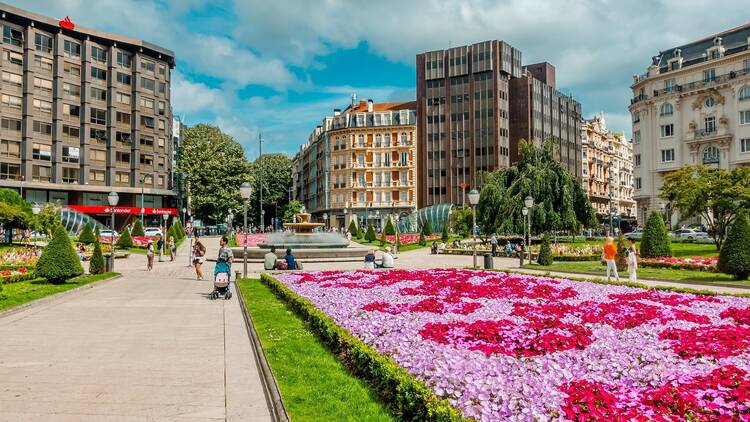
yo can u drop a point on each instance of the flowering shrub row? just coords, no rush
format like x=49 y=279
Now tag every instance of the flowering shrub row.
x=251 y=239
x=409 y=239
x=695 y=263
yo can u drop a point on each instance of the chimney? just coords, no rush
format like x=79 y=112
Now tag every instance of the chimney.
x=362 y=105
x=369 y=105
x=336 y=112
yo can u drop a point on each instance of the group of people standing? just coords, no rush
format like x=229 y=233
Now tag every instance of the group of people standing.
x=610 y=258
x=152 y=248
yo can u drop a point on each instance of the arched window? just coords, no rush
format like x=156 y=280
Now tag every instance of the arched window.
x=387 y=140
x=666 y=109
x=744 y=93
x=361 y=140
x=378 y=137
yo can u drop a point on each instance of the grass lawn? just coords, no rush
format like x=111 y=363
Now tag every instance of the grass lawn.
x=686 y=250
x=596 y=268
x=313 y=384
x=15 y=294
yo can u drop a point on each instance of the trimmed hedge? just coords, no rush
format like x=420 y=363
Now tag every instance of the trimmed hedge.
x=389 y=229
x=11 y=267
x=59 y=261
x=87 y=235
x=576 y=258
x=667 y=265
x=444 y=234
x=409 y=398
x=734 y=257
x=137 y=229
x=655 y=242
x=427 y=227
x=545 y=252
x=353 y=228
x=125 y=241
x=18 y=277
x=96 y=265
x=370 y=235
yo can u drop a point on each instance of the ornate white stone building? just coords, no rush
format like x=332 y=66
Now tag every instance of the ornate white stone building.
x=607 y=169
x=691 y=107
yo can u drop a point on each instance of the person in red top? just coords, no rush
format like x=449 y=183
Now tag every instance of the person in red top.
x=610 y=251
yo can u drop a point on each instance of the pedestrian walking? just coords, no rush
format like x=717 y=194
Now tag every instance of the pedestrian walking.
x=150 y=255
x=632 y=261
x=610 y=252
x=199 y=257
x=172 y=248
x=493 y=242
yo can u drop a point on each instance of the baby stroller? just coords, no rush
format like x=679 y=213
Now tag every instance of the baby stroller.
x=221 y=281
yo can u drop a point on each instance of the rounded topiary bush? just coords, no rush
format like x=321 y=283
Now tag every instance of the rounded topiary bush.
x=655 y=241
x=370 y=235
x=96 y=265
x=125 y=241
x=137 y=229
x=422 y=239
x=444 y=234
x=59 y=261
x=87 y=235
x=545 y=252
x=734 y=257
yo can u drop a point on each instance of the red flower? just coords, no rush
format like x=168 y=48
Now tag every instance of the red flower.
x=740 y=316
x=712 y=341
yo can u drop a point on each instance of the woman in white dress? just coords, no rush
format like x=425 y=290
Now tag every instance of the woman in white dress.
x=632 y=261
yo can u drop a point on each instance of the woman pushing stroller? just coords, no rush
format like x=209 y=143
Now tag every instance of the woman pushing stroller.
x=222 y=271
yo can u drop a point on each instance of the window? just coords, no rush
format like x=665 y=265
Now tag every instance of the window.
x=122 y=177
x=98 y=55
x=71 y=154
x=636 y=117
x=744 y=117
x=122 y=98
x=667 y=130
x=669 y=85
x=42 y=128
x=161 y=142
x=97 y=155
x=43 y=62
x=666 y=109
x=162 y=87
x=147 y=121
x=70 y=175
x=71 y=90
x=99 y=74
x=709 y=75
x=98 y=116
x=11 y=125
x=744 y=93
x=162 y=70
x=71 y=49
x=41 y=152
x=12 y=79
x=637 y=158
x=40 y=173
x=70 y=111
x=96 y=176
x=148 y=66
x=162 y=125
x=12 y=36
x=147 y=103
x=147 y=160
x=43 y=43
x=98 y=135
x=11 y=101
x=98 y=94
x=123 y=78
x=148 y=179
x=122 y=157
x=123 y=118
x=44 y=85
x=161 y=108
x=10 y=149
x=667 y=155
x=148 y=84
x=147 y=140
x=72 y=69
x=745 y=145
x=42 y=106
x=123 y=137
x=638 y=183
x=709 y=124
x=10 y=171
x=71 y=132
x=124 y=59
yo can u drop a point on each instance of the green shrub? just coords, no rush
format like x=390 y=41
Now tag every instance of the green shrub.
x=444 y=234
x=137 y=229
x=545 y=252
x=389 y=229
x=171 y=232
x=655 y=242
x=87 y=235
x=383 y=239
x=422 y=239
x=353 y=228
x=427 y=228
x=370 y=235
x=96 y=265
x=125 y=241
x=734 y=257
x=621 y=258
x=180 y=230
x=59 y=260
x=97 y=233
x=410 y=398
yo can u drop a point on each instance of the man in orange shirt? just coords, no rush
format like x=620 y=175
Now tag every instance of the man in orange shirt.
x=610 y=252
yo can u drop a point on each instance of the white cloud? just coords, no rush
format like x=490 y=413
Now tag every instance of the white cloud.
x=191 y=97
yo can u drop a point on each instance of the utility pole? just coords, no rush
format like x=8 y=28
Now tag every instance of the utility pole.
x=260 y=167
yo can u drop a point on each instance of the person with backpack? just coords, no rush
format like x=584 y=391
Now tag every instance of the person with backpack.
x=150 y=255
x=199 y=257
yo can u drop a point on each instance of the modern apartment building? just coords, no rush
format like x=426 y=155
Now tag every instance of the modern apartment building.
x=691 y=107
x=474 y=104
x=359 y=163
x=84 y=113
x=607 y=170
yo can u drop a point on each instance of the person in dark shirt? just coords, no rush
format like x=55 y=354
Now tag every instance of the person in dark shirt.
x=291 y=263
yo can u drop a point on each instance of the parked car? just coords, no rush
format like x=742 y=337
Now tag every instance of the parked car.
x=108 y=233
x=689 y=234
x=152 y=231
x=636 y=234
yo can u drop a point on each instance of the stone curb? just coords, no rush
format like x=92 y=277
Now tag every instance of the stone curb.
x=57 y=296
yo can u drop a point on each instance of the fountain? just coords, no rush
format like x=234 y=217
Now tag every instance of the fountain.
x=304 y=226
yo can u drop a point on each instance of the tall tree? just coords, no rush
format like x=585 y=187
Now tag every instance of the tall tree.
x=48 y=219
x=290 y=209
x=216 y=167
x=560 y=202
x=276 y=170
x=15 y=213
x=714 y=195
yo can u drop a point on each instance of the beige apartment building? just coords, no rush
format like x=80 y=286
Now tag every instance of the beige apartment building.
x=607 y=169
x=691 y=107
x=359 y=163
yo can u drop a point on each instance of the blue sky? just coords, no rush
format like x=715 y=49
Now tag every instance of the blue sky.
x=280 y=66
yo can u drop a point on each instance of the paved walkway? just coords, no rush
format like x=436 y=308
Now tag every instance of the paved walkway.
x=149 y=346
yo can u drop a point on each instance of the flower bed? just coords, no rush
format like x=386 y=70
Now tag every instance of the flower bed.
x=409 y=239
x=19 y=257
x=696 y=263
x=514 y=347
x=16 y=275
x=251 y=239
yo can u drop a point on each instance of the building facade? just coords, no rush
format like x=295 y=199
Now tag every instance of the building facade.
x=359 y=163
x=84 y=113
x=607 y=170
x=474 y=104
x=691 y=107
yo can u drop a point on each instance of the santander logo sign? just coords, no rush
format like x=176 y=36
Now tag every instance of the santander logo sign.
x=67 y=23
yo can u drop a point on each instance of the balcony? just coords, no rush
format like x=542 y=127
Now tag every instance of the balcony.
x=638 y=98
x=702 y=83
x=715 y=133
x=357 y=145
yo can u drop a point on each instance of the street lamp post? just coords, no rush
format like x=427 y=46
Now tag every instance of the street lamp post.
x=611 y=180
x=525 y=212
x=184 y=223
x=473 y=201
x=113 y=198
x=36 y=209
x=230 y=219
x=143 y=210
x=260 y=180
x=529 y=203
x=395 y=244
x=325 y=220
x=246 y=191
x=165 y=216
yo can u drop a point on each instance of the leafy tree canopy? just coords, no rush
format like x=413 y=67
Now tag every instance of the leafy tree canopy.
x=277 y=179
x=290 y=209
x=15 y=213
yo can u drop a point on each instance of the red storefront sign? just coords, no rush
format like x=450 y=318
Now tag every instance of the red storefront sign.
x=96 y=209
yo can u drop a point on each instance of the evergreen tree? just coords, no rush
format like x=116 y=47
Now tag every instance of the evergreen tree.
x=422 y=240
x=383 y=239
x=137 y=229
x=370 y=235
x=734 y=257
x=353 y=228
x=545 y=252
x=59 y=261
x=96 y=265
x=655 y=241
x=389 y=229
x=125 y=241
x=97 y=233
x=87 y=235
x=427 y=227
x=444 y=234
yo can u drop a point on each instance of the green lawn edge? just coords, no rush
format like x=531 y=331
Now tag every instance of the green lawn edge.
x=21 y=293
x=408 y=397
x=314 y=385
